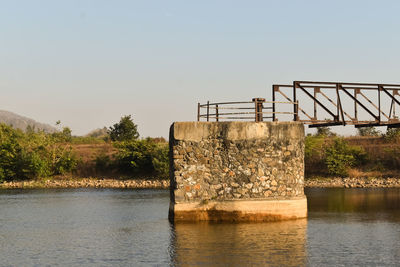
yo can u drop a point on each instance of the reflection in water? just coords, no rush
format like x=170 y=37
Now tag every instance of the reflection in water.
x=374 y=203
x=94 y=227
x=353 y=227
x=223 y=244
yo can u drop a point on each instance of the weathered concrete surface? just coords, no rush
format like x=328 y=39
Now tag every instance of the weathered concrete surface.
x=266 y=210
x=237 y=171
x=197 y=131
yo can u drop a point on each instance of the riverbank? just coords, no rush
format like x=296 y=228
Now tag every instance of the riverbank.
x=87 y=183
x=314 y=182
x=360 y=182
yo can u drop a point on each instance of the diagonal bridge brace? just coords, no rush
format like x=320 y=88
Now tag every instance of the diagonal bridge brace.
x=359 y=103
x=335 y=117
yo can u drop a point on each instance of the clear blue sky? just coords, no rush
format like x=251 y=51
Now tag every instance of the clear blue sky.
x=87 y=63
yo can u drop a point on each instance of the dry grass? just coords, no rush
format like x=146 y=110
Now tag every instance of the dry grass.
x=89 y=152
x=357 y=173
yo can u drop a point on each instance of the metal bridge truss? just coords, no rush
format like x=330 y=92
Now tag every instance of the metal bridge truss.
x=316 y=104
x=340 y=103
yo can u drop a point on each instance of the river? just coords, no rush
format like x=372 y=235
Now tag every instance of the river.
x=103 y=227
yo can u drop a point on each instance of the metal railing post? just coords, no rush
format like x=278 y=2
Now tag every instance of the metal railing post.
x=295 y=105
x=273 y=101
x=208 y=110
x=258 y=105
x=216 y=113
x=198 y=111
x=379 y=101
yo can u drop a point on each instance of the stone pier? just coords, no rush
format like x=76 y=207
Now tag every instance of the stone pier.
x=237 y=171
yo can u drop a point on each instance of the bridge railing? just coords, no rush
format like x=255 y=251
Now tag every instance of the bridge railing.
x=340 y=103
x=316 y=104
x=258 y=109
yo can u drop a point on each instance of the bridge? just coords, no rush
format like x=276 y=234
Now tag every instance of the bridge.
x=316 y=104
x=246 y=163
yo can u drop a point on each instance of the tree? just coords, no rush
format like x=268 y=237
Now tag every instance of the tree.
x=124 y=130
x=324 y=131
x=392 y=134
x=368 y=131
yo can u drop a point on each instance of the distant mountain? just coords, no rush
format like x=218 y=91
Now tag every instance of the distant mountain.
x=100 y=132
x=21 y=122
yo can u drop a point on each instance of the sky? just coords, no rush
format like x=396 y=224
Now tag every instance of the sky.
x=87 y=63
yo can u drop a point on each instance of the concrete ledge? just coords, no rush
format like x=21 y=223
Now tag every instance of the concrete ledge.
x=240 y=210
x=197 y=131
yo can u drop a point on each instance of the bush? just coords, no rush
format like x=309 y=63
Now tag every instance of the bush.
x=314 y=148
x=392 y=134
x=324 y=131
x=143 y=156
x=160 y=160
x=340 y=156
x=368 y=131
x=64 y=136
x=33 y=154
x=65 y=161
x=391 y=158
x=103 y=163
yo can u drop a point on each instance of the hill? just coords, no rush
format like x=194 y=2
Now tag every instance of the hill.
x=21 y=122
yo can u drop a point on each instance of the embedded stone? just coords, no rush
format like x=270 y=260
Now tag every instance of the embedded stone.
x=249 y=185
x=235 y=185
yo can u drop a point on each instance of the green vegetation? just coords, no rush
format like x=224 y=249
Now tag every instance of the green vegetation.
x=33 y=154
x=368 y=131
x=392 y=134
x=143 y=156
x=118 y=151
x=124 y=130
x=332 y=155
x=340 y=156
x=371 y=153
x=324 y=131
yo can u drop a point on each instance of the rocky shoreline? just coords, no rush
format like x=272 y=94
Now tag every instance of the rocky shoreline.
x=362 y=182
x=336 y=182
x=88 y=183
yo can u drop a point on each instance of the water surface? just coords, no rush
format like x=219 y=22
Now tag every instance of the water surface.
x=104 y=227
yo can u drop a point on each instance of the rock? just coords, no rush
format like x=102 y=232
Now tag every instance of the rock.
x=235 y=185
x=249 y=185
x=267 y=193
x=247 y=172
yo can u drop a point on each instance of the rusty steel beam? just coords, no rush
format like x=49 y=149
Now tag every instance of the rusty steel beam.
x=347 y=83
x=316 y=100
x=274 y=88
x=290 y=101
x=339 y=103
x=315 y=125
x=370 y=125
x=295 y=105
x=375 y=106
x=359 y=103
x=393 y=125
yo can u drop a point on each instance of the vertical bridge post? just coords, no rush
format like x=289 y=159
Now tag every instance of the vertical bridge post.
x=258 y=104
